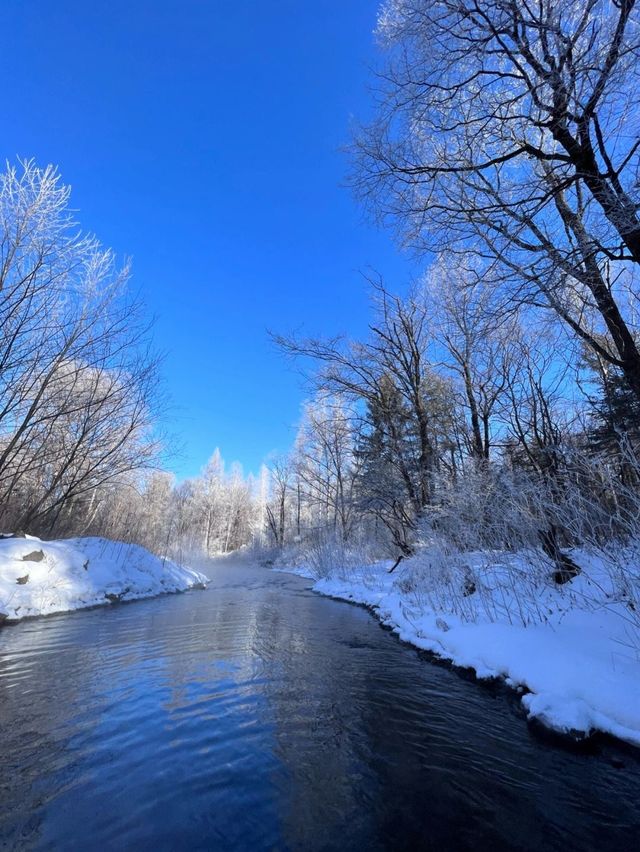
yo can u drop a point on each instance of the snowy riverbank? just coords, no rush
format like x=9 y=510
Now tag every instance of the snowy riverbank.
x=42 y=577
x=571 y=650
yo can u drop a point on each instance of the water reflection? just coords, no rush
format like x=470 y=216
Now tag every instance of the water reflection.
x=257 y=715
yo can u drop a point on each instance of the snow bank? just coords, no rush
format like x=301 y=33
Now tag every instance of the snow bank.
x=572 y=650
x=41 y=577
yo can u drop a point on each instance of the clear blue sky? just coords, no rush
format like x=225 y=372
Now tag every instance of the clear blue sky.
x=202 y=138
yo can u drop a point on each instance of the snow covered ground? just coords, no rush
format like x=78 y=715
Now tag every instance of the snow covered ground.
x=41 y=577
x=571 y=650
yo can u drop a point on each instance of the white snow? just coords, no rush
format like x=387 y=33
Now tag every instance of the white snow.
x=42 y=577
x=572 y=650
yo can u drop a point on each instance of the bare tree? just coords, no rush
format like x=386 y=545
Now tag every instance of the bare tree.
x=78 y=380
x=510 y=129
x=403 y=398
x=281 y=471
x=476 y=349
x=326 y=465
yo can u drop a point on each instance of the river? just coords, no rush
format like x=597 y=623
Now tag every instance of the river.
x=258 y=715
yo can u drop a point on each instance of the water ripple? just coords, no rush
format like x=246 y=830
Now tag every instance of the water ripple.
x=257 y=715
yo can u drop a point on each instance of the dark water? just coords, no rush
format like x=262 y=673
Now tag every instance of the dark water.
x=257 y=715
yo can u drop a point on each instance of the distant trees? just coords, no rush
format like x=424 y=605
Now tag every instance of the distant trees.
x=211 y=495
x=326 y=466
x=213 y=513
x=281 y=472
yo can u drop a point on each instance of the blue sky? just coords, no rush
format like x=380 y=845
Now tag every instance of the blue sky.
x=202 y=139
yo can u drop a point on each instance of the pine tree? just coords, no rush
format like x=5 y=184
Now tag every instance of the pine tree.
x=616 y=415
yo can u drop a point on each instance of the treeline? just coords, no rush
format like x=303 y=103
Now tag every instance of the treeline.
x=501 y=432
x=216 y=512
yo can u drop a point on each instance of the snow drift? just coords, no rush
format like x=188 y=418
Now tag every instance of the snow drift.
x=42 y=577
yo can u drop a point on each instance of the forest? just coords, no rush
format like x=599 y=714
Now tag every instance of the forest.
x=387 y=255
x=494 y=403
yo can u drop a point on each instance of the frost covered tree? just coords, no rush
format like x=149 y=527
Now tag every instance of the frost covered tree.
x=534 y=408
x=78 y=380
x=212 y=487
x=509 y=130
x=498 y=406
x=278 y=508
x=384 y=487
x=202 y=517
x=405 y=405
x=325 y=465
x=476 y=349
x=615 y=410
